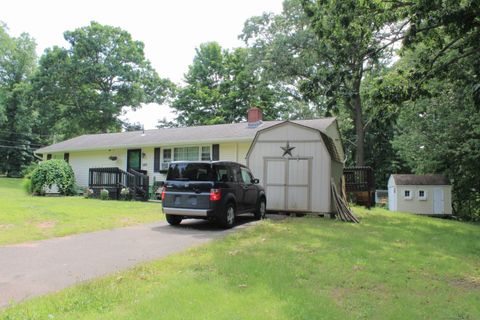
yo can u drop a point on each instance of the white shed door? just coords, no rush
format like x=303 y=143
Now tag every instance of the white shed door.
x=275 y=183
x=298 y=186
x=287 y=184
x=438 y=201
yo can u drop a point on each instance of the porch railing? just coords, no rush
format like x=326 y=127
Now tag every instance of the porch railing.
x=115 y=179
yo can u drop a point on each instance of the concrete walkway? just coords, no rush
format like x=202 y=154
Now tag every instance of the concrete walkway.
x=35 y=268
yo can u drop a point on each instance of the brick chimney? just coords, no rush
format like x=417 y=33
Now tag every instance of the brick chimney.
x=254 y=117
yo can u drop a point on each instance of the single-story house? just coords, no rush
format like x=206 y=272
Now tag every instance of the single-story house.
x=429 y=194
x=302 y=155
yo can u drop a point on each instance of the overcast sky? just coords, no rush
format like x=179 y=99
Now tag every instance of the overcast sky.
x=170 y=29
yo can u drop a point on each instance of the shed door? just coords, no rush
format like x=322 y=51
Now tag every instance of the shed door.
x=298 y=185
x=275 y=183
x=287 y=184
x=438 y=201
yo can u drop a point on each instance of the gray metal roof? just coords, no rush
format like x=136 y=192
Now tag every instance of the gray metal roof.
x=420 y=179
x=170 y=136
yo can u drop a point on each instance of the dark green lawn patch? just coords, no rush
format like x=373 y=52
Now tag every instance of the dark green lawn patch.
x=390 y=266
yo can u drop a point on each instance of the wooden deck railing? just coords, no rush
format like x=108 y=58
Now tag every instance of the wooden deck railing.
x=115 y=179
x=358 y=179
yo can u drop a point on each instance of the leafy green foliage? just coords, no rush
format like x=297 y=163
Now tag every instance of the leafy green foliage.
x=220 y=86
x=440 y=133
x=104 y=194
x=125 y=194
x=103 y=71
x=17 y=64
x=355 y=38
x=53 y=172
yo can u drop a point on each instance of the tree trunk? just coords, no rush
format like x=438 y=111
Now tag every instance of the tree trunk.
x=359 y=127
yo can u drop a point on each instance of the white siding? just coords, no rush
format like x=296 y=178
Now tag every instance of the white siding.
x=81 y=162
x=415 y=205
x=398 y=202
x=234 y=151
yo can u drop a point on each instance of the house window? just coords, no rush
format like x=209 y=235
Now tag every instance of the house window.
x=186 y=154
x=407 y=194
x=422 y=195
x=167 y=155
x=206 y=153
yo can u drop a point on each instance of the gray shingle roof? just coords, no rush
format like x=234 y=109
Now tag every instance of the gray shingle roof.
x=169 y=136
x=423 y=179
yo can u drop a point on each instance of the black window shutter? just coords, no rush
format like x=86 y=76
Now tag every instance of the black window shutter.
x=49 y=156
x=66 y=157
x=216 y=152
x=156 y=160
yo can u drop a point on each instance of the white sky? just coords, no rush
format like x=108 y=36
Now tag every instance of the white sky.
x=170 y=30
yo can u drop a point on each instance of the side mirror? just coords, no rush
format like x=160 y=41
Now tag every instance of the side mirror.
x=161 y=183
x=255 y=181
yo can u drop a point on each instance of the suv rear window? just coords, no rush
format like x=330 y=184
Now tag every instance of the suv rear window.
x=190 y=172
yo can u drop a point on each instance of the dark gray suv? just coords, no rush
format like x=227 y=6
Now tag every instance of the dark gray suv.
x=213 y=190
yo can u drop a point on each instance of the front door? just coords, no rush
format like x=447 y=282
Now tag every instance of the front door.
x=438 y=201
x=134 y=159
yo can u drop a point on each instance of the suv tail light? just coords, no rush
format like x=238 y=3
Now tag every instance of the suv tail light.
x=215 y=194
x=163 y=193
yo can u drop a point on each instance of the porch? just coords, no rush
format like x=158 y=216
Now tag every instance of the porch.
x=115 y=179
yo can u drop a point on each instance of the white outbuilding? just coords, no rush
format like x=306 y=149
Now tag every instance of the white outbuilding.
x=429 y=194
x=297 y=164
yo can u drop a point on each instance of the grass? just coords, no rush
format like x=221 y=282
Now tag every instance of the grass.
x=25 y=218
x=391 y=266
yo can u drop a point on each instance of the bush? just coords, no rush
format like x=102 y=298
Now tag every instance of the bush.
x=51 y=172
x=27 y=185
x=104 y=194
x=27 y=172
x=125 y=194
x=88 y=193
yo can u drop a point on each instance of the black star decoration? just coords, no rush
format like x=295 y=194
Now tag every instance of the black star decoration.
x=287 y=150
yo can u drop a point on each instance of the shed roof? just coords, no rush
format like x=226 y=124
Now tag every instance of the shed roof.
x=420 y=179
x=167 y=136
x=329 y=143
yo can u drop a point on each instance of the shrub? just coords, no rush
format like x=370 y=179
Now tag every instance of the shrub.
x=125 y=194
x=27 y=172
x=104 y=194
x=27 y=185
x=51 y=172
x=88 y=193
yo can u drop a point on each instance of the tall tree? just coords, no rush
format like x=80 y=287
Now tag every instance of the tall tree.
x=17 y=63
x=89 y=83
x=221 y=85
x=322 y=51
x=440 y=133
x=354 y=37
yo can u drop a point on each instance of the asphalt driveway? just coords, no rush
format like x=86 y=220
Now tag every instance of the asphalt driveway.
x=36 y=268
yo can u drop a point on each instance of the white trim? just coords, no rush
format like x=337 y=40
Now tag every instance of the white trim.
x=138 y=146
x=410 y=195
x=424 y=197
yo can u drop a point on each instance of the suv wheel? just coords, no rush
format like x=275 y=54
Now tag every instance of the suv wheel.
x=228 y=218
x=261 y=209
x=173 y=219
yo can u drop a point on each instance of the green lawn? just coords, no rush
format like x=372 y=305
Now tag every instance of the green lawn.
x=24 y=218
x=391 y=266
